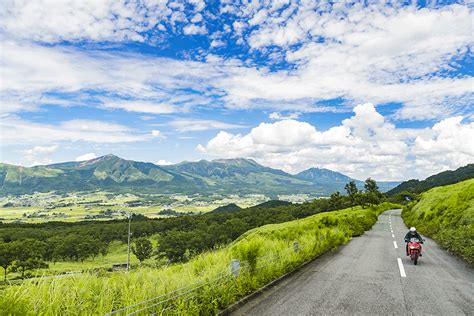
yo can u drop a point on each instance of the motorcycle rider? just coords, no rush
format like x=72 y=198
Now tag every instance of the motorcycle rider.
x=412 y=233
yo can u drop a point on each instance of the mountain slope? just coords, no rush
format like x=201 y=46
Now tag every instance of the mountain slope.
x=336 y=180
x=220 y=176
x=443 y=178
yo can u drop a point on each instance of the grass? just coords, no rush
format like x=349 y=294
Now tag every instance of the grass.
x=98 y=293
x=446 y=214
x=117 y=253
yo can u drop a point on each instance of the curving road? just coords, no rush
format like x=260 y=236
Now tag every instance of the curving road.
x=365 y=277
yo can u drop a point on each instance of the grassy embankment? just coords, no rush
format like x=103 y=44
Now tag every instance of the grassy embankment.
x=99 y=294
x=446 y=214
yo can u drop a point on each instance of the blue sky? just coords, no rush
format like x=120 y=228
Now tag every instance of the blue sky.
x=367 y=89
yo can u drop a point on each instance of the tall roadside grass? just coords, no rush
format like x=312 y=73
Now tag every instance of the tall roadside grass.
x=446 y=214
x=265 y=254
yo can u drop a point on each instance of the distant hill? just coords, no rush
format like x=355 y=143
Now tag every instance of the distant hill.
x=443 y=178
x=337 y=180
x=229 y=208
x=220 y=176
x=271 y=204
x=323 y=175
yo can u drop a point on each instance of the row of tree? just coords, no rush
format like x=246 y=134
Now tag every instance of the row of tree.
x=29 y=253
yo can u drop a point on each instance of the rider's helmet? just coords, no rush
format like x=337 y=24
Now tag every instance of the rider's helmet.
x=412 y=230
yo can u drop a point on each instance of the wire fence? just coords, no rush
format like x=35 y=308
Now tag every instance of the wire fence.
x=167 y=303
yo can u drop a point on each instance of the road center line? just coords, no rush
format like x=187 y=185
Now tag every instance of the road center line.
x=393 y=236
x=401 y=268
x=395 y=244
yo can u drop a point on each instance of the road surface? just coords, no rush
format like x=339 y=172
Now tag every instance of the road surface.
x=372 y=276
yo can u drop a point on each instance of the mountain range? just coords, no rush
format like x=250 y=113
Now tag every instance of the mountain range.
x=220 y=176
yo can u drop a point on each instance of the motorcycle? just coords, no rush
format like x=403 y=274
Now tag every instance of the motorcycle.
x=414 y=249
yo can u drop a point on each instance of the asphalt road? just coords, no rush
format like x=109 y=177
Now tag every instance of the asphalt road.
x=364 y=278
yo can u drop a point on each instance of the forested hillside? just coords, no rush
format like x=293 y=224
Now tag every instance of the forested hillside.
x=443 y=178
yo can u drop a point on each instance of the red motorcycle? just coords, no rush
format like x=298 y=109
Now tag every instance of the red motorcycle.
x=414 y=249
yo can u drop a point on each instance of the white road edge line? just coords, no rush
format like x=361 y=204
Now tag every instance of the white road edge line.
x=401 y=268
x=395 y=244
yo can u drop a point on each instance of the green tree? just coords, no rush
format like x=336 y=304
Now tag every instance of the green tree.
x=371 y=186
x=6 y=256
x=352 y=192
x=142 y=249
x=29 y=255
x=335 y=201
x=372 y=193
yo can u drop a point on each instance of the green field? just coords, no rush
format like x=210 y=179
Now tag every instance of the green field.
x=447 y=215
x=72 y=207
x=99 y=293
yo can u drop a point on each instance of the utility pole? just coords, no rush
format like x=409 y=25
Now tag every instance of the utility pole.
x=129 y=235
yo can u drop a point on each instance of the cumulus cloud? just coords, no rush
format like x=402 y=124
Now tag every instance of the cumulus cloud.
x=40 y=155
x=163 y=162
x=193 y=29
x=449 y=144
x=364 y=145
x=87 y=156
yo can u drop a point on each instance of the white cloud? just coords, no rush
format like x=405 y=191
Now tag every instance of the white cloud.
x=372 y=54
x=142 y=107
x=449 y=144
x=217 y=43
x=193 y=29
x=87 y=156
x=101 y=20
x=279 y=116
x=193 y=125
x=197 y=18
x=30 y=71
x=146 y=117
x=364 y=145
x=14 y=130
x=42 y=150
x=163 y=162
x=157 y=133
x=40 y=155
x=376 y=53
x=199 y=5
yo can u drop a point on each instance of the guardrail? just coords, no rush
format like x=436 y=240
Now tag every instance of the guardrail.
x=164 y=304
